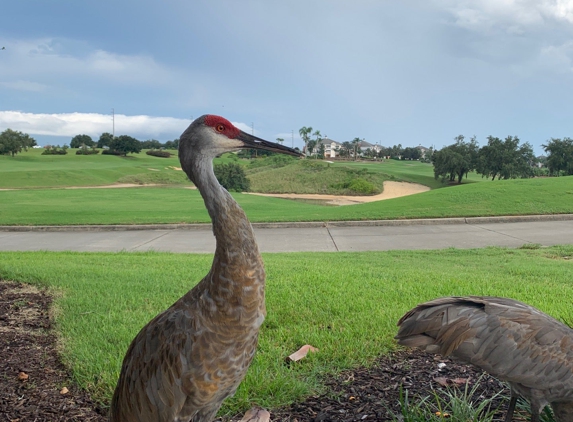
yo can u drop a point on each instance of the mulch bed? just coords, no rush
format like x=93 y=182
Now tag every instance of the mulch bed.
x=31 y=374
x=35 y=386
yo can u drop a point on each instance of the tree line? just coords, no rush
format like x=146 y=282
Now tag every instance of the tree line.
x=123 y=144
x=500 y=158
x=13 y=142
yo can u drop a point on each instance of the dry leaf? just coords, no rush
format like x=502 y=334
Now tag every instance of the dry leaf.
x=256 y=414
x=301 y=353
x=64 y=391
x=442 y=381
x=22 y=376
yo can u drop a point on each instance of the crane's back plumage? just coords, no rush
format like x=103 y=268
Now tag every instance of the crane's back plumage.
x=508 y=339
x=189 y=358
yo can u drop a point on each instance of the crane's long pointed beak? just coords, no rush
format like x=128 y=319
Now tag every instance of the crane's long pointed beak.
x=251 y=141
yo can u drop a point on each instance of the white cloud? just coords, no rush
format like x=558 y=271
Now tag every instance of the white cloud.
x=93 y=124
x=510 y=16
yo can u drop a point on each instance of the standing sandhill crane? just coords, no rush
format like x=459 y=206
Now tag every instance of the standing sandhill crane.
x=508 y=339
x=189 y=358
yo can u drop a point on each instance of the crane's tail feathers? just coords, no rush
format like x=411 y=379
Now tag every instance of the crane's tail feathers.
x=438 y=326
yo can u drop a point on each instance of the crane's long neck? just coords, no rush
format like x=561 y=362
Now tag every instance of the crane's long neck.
x=237 y=277
x=230 y=224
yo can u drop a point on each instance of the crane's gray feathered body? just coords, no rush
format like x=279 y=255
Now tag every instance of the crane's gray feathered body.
x=188 y=359
x=506 y=338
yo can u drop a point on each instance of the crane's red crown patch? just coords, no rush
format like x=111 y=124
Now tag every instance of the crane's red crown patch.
x=222 y=126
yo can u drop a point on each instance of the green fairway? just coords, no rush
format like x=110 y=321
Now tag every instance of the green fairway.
x=33 y=170
x=178 y=205
x=345 y=304
x=408 y=171
x=33 y=204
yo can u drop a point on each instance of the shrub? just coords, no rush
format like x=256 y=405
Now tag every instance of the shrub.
x=360 y=185
x=232 y=177
x=55 y=150
x=313 y=165
x=87 y=151
x=356 y=186
x=159 y=153
x=110 y=152
x=540 y=172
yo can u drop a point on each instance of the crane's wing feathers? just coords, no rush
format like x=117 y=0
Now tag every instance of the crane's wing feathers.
x=507 y=338
x=179 y=366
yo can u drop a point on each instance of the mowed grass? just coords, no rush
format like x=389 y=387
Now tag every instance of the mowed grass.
x=408 y=171
x=177 y=205
x=345 y=304
x=31 y=169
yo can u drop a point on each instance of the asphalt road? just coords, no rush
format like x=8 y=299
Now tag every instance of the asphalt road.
x=324 y=237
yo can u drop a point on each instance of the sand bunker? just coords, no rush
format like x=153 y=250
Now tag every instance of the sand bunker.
x=391 y=190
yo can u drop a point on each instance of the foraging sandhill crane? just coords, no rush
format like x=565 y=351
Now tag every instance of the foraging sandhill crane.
x=189 y=358
x=508 y=339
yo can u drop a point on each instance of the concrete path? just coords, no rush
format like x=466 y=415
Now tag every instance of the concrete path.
x=292 y=237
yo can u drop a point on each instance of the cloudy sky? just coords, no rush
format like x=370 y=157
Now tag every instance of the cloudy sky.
x=410 y=72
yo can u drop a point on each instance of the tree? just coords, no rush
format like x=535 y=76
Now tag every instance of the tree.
x=174 y=144
x=560 y=156
x=105 y=140
x=396 y=151
x=321 y=150
x=355 y=146
x=312 y=144
x=455 y=161
x=410 y=153
x=505 y=159
x=79 y=140
x=345 y=149
x=151 y=144
x=125 y=144
x=280 y=140
x=13 y=142
x=305 y=135
x=232 y=177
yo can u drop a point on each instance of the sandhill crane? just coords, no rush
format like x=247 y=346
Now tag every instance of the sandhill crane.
x=189 y=358
x=508 y=339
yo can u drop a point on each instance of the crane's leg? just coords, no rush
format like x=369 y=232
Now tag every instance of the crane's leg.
x=535 y=410
x=510 y=409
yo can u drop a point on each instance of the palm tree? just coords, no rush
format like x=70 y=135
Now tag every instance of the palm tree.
x=355 y=145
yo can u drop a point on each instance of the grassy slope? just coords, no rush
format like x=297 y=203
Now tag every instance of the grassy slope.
x=315 y=176
x=177 y=205
x=346 y=304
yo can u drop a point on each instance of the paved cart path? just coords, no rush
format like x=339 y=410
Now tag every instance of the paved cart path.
x=314 y=237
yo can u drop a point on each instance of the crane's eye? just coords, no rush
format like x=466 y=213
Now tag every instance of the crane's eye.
x=220 y=128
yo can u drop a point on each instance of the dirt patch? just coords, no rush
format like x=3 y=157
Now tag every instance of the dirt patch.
x=391 y=190
x=32 y=377
x=28 y=346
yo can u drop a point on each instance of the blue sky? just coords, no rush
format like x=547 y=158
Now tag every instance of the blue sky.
x=410 y=72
